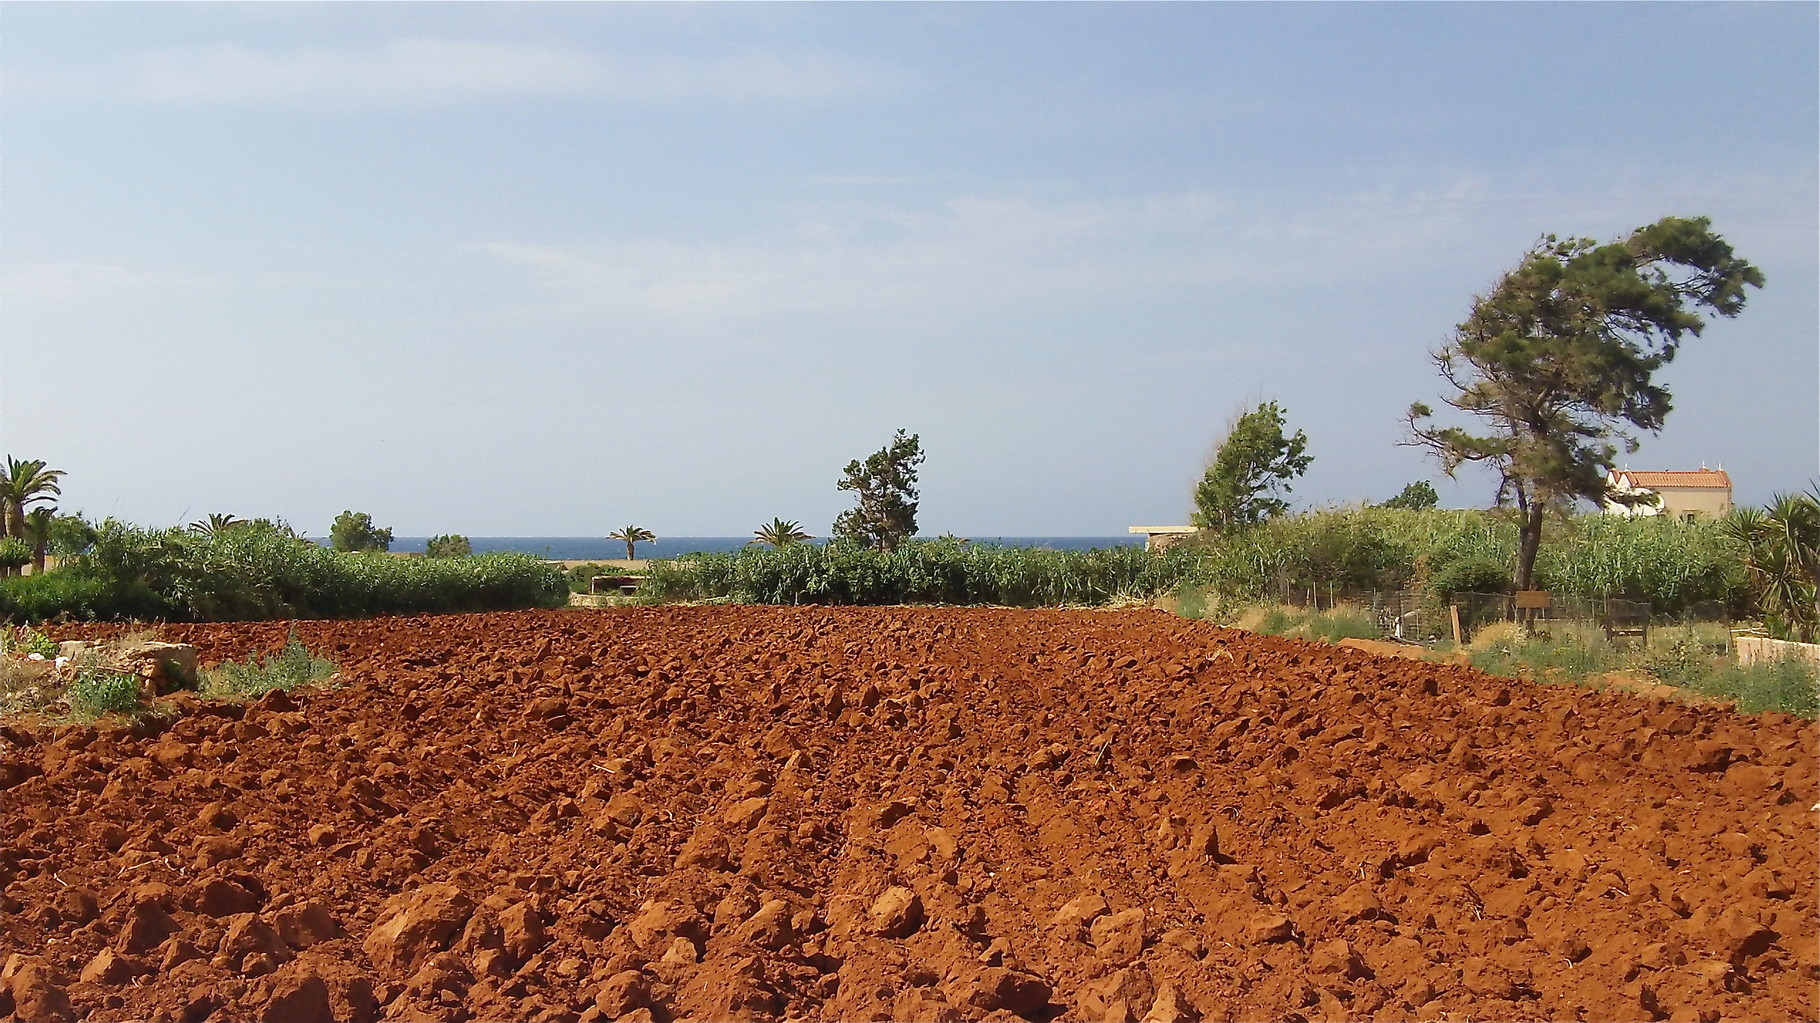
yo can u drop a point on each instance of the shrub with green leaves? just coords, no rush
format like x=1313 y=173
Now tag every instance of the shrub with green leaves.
x=920 y=572
x=252 y=678
x=451 y=545
x=98 y=691
x=257 y=572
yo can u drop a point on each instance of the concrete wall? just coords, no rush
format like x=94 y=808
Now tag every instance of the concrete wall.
x=1760 y=649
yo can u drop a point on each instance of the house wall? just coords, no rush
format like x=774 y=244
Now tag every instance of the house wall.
x=1705 y=502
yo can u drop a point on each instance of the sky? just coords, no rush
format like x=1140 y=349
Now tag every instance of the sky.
x=527 y=269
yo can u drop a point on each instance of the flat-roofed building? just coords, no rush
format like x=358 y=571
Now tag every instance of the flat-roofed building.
x=1161 y=538
x=1685 y=494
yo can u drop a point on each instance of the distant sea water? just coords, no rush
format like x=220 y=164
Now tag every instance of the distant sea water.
x=594 y=548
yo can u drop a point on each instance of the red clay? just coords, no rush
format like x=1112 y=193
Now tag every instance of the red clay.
x=930 y=814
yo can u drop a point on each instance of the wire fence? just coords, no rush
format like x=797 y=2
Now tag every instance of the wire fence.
x=1415 y=616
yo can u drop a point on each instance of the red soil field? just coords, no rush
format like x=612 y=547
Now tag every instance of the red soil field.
x=896 y=813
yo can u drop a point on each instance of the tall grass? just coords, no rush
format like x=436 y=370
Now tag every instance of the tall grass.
x=1671 y=564
x=252 y=573
x=920 y=572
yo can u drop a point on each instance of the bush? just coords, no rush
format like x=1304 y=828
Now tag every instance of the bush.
x=920 y=572
x=257 y=572
x=97 y=691
x=452 y=545
x=287 y=669
x=1470 y=575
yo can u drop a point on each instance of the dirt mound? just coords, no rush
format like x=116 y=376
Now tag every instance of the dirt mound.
x=757 y=813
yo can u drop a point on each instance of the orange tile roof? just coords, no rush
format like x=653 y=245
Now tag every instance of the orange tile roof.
x=1713 y=479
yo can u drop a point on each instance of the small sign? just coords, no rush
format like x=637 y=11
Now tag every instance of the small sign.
x=1533 y=600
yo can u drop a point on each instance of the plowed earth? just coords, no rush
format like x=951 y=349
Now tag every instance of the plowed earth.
x=920 y=814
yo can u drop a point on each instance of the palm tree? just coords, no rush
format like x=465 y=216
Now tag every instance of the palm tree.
x=37 y=532
x=23 y=483
x=778 y=533
x=633 y=535
x=215 y=525
x=1781 y=546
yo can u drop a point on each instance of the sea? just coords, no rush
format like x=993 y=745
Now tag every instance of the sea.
x=595 y=548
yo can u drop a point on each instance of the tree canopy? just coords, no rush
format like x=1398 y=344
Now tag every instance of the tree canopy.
x=1250 y=472
x=885 y=482
x=354 y=531
x=1417 y=496
x=1557 y=362
x=632 y=536
x=778 y=533
x=23 y=483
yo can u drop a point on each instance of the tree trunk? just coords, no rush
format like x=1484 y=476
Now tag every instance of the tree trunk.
x=630 y=556
x=1529 y=540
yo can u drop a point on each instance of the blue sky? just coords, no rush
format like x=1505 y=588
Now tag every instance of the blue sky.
x=548 y=269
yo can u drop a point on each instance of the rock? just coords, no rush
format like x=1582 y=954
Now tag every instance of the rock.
x=897 y=913
x=623 y=992
x=1267 y=927
x=1358 y=903
x=768 y=928
x=217 y=817
x=745 y=814
x=306 y=924
x=146 y=927
x=168 y=666
x=1119 y=937
x=1741 y=935
x=706 y=848
x=297 y=995
x=942 y=845
x=109 y=967
x=37 y=991
x=1487 y=979
x=76 y=905
x=1170 y=1007
x=1079 y=911
x=1118 y=998
x=1337 y=958
x=225 y=897
x=682 y=952
x=416 y=925
x=1013 y=991
x=925 y=1006
x=441 y=973
x=248 y=936
x=659 y=922
x=521 y=931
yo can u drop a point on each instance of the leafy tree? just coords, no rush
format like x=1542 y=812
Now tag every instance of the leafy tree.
x=14 y=553
x=1418 y=496
x=354 y=531
x=1781 y=546
x=778 y=533
x=24 y=483
x=885 y=515
x=71 y=535
x=452 y=545
x=215 y=524
x=1558 y=361
x=632 y=535
x=1250 y=469
x=37 y=533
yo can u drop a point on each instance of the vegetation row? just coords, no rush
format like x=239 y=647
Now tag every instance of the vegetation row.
x=259 y=571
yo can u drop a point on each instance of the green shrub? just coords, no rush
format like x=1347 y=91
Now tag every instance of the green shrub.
x=259 y=572
x=1473 y=574
x=14 y=552
x=97 y=691
x=452 y=545
x=25 y=642
x=287 y=669
x=920 y=572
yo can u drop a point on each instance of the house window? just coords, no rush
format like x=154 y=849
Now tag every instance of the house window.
x=1687 y=516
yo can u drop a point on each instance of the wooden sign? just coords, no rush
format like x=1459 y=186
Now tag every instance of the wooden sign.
x=1533 y=600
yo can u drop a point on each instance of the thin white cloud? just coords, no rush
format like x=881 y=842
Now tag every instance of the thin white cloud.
x=75 y=281
x=416 y=73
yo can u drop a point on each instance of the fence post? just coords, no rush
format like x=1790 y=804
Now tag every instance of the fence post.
x=1457 y=640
